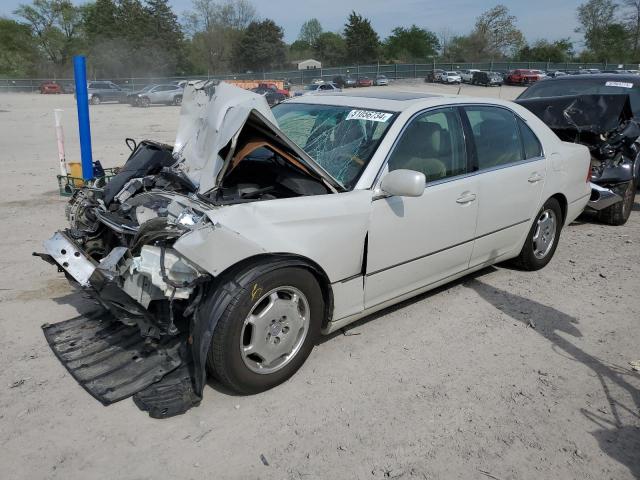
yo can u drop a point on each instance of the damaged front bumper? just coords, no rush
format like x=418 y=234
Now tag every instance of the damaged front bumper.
x=602 y=197
x=126 y=285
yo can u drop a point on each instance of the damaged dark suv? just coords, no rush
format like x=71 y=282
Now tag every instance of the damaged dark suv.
x=601 y=112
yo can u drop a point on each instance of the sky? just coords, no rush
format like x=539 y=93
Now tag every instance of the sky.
x=550 y=19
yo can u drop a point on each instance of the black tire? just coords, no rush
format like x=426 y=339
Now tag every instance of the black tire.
x=95 y=100
x=224 y=360
x=177 y=100
x=527 y=260
x=618 y=214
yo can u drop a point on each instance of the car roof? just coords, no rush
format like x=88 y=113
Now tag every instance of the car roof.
x=602 y=76
x=388 y=100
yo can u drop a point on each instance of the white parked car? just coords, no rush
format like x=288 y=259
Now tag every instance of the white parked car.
x=277 y=225
x=450 y=77
x=325 y=87
x=467 y=75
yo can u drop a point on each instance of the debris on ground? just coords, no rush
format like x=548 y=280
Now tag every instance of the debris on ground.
x=263 y=459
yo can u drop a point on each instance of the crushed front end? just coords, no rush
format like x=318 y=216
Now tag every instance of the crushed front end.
x=120 y=247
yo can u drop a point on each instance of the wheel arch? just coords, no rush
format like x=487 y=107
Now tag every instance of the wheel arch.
x=221 y=291
x=281 y=260
x=564 y=204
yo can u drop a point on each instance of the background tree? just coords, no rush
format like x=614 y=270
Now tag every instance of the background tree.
x=411 y=44
x=18 y=51
x=632 y=23
x=362 y=40
x=260 y=47
x=214 y=29
x=310 y=31
x=497 y=31
x=331 y=49
x=596 y=18
x=56 y=27
x=544 y=51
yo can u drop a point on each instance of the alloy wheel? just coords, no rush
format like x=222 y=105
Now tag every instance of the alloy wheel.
x=545 y=233
x=274 y=330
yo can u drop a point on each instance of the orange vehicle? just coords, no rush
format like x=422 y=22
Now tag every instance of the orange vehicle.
x=50 y=87
x=277 y=85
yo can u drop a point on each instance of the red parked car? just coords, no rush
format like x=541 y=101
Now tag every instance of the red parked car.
x=274 y=87
x=521 y=77
x=50 y=87
x=365 y=82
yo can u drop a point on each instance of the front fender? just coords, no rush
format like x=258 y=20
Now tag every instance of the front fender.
x=215 y=247
x=327 y=229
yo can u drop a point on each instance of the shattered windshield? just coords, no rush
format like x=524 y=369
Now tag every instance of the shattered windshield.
x=585 y=86
x=341 y=140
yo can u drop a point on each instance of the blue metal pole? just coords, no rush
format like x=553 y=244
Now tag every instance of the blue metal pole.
x=82 y=100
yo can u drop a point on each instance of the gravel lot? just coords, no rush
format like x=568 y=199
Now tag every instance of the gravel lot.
x=503 y=374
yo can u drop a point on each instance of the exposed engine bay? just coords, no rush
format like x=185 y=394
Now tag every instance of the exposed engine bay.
x=606 y=125
x=119 y=247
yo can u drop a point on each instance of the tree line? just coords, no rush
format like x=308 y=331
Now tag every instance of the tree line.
x=126 y=38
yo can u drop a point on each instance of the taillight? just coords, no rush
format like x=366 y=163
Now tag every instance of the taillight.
x=589 y=173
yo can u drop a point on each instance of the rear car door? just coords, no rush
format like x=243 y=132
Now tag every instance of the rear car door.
x=416 y=241
x=511 y=171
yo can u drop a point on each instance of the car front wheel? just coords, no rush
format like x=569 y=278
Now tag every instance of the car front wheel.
x=267 y=331
x=95 y=100
x=542 y=240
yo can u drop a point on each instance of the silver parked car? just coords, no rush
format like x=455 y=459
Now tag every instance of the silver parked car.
x=103 y=91
x=381 y=80
x=167 y=94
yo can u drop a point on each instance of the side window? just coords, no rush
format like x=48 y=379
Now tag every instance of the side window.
x=496 y=136
x=433 y=143
x=530 y=142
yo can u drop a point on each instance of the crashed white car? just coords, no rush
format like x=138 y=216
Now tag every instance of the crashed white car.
x=261 y=229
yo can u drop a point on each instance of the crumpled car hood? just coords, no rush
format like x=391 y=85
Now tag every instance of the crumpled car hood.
x=212 y=115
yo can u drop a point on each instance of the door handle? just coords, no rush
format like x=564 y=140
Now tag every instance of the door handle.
x=466 y=198
x=535 y=178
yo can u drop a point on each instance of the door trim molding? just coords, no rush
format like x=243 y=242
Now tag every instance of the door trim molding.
x=447 y=248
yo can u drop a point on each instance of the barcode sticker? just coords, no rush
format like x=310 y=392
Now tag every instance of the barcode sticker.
x=369 y=115
x=619 y=84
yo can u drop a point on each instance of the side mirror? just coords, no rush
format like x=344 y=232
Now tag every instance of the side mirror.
x=403 y=183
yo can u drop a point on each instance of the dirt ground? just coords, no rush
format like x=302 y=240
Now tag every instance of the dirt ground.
x=502 y=375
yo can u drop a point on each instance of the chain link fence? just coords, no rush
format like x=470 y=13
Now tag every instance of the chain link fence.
x=303 y=77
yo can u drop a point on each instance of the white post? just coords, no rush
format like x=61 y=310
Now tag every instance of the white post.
x=60 y=136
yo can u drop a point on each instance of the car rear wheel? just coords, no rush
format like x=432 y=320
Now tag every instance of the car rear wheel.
x=267 y=331
x=619 y=213
x=542 y=240
x=95 y=100
x=177 y=100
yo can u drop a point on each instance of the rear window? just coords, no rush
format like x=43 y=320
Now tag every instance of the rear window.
x=530 y=143
x=585 y=86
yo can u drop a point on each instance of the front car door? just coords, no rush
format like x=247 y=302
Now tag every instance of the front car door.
x=511 y=170
x=417 y=241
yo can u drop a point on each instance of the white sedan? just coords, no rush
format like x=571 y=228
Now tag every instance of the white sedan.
x=274 y=226
x=450 y=77
x=467 y=75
